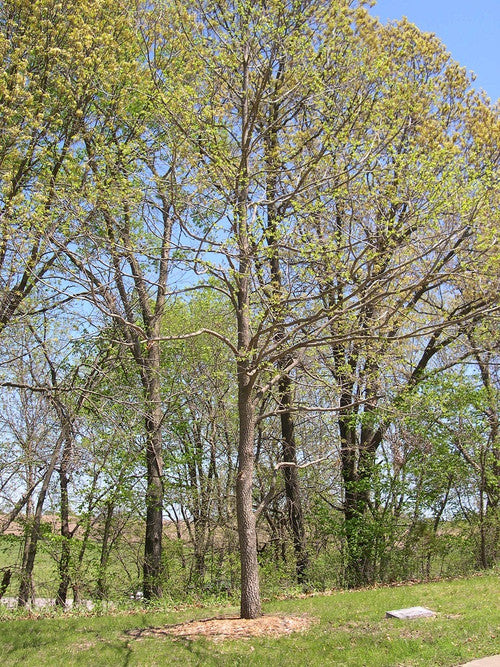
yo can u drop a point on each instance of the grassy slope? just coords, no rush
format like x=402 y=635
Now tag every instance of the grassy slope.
x=352 y=630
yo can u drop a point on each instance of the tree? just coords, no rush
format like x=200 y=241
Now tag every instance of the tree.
x=46 y=87
x=309 y=190
x=261 y=127
x=44 y=378
x=126 y=218
x=400 y=239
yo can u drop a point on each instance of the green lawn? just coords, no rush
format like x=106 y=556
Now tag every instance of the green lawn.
x=352 y=630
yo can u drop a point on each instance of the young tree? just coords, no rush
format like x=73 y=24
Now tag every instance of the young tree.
x=266 y=103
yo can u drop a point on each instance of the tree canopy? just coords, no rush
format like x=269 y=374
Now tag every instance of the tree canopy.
x=249 y=274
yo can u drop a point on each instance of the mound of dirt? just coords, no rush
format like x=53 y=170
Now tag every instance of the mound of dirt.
x=231 y=627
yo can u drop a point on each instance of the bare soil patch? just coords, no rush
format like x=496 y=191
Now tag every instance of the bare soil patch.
x=231 y=627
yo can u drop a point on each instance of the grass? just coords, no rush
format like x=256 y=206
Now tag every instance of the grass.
x=352 y=631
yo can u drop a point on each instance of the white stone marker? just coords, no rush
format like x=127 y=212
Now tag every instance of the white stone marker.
x=411 y=612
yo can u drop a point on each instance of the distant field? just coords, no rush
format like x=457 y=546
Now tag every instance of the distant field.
x=46 y=576
x=351 y=630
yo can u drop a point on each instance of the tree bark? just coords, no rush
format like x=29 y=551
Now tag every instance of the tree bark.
x=102 y=588
x=64 y=559
x=7 y=574
x=152 y=586
x=357 y=457
x=353 y=513
x=250 y=592
x=292 y=484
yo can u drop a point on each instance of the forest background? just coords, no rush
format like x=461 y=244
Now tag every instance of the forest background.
x=249 y=292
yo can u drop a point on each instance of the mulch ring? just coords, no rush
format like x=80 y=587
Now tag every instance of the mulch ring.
x=231 y=627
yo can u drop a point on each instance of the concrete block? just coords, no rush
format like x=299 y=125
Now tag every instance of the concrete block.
x=411 y=612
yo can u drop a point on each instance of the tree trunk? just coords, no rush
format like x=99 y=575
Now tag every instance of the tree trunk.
x=7 y=574
x=290 y=473
x=250 y=593
x=353 y=569
x=64 y=559
x=152 y=585
x=102 y=588
x=357 y=460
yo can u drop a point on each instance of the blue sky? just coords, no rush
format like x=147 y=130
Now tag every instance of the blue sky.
x=469 y=28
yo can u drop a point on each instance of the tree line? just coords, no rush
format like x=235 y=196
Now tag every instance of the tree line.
x=249 y=286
